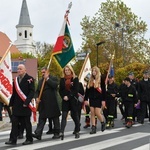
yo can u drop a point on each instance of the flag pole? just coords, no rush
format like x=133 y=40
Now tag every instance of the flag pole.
x=111 y=61
x=43 y=83
x=42 y=87
x=87 y=56
x=10 y=45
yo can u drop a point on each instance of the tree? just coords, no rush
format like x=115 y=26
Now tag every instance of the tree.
x=43 y=53
x=122 y=30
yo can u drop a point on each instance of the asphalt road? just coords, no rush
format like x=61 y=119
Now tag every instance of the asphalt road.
x=118 y=138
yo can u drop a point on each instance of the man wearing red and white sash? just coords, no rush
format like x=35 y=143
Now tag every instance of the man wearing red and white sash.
x=23 y=92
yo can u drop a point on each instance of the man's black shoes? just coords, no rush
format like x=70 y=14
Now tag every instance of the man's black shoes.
x=10 y=143
x=36 y=136
x=27 y=142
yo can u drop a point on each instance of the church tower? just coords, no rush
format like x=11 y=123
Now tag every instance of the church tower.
x=24 y=41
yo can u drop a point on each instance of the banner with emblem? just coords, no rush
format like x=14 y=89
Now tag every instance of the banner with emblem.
x=63 y=50
x=5 y=78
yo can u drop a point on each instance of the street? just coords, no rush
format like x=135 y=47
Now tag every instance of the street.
x=118 y=138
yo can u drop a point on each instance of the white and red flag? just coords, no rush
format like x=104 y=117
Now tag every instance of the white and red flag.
x=6 y=77
x=85 y=71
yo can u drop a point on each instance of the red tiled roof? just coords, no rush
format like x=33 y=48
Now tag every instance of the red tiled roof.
x=4 y=44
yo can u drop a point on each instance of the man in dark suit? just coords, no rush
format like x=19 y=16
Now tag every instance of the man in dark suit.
x=48 y=104
x=23 y=92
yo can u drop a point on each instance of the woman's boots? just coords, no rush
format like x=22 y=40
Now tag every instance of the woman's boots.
x=93 y=131
x=103 y=127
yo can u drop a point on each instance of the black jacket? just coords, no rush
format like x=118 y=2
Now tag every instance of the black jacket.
x=28 y=88
x=48 y=107
x=144 y=90
x=130 y=94
x=111 y=89
x=72 y=94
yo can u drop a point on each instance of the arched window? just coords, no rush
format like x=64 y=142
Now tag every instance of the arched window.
x=25 y=33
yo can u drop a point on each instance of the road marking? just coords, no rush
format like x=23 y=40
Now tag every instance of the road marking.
x=143 y=147
x=113 y=142
x=66 y=139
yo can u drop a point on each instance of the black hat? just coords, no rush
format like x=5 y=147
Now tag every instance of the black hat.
x=145 y=72
x=127 y=79
x=110 y=76
x=131 y=73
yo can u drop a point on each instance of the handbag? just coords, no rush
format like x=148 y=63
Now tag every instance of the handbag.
x=80 y=97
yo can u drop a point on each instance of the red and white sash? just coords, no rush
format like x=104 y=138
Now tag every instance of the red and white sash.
x=99 y=89
x=22 y=95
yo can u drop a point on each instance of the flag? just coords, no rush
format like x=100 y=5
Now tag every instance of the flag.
x=110 y=71
x=5 y=78
x=85 y=72
x=63 y=50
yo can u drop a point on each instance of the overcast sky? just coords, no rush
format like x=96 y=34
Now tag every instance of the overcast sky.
x=47 y=17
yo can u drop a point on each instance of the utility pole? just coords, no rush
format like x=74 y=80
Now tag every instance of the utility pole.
x=98 y=44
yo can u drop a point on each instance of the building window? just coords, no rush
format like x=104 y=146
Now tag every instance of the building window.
x=25 y=33
x=14 y=65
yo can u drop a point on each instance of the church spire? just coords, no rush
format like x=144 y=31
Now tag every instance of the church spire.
x=24 y=16
x=25 y=42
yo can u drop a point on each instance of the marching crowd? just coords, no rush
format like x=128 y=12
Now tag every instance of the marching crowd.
x=100 y=102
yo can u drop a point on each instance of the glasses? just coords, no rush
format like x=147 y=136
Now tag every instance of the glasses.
x=43 y=72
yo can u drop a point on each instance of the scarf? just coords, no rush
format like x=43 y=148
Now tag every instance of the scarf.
x=68 y=82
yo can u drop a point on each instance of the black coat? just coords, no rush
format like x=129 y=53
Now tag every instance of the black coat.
x=111 y=89
x=130 y=94
x=28 y=88
x=71 y=104
x=144 y=90
x=48 y=107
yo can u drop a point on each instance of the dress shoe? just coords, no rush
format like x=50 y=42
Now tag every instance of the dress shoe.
x=61 y=136
x=10 y=143
x=27 y=142
x=20 y=137
x=49 y=132
x=36 y=136
x=77 y=135
x=56 y=136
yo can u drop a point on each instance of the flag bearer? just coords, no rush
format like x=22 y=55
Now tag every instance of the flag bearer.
x=112 y=90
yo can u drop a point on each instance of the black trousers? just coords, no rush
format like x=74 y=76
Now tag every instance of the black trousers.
x=79 y=110
x=24 y=120
x=41 y=124
x=144 y=110
x=111 y=106
x=75 y=117
x=128 y=109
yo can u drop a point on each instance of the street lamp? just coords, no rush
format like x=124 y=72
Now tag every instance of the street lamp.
x=97 y=49
x=123 y=29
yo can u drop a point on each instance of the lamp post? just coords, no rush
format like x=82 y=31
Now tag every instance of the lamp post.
x=97 y=49
x=123 y=29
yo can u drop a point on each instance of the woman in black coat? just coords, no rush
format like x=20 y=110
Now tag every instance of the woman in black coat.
x=69 y=88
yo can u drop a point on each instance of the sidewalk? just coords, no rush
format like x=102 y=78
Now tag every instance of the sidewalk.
x=5 y=124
